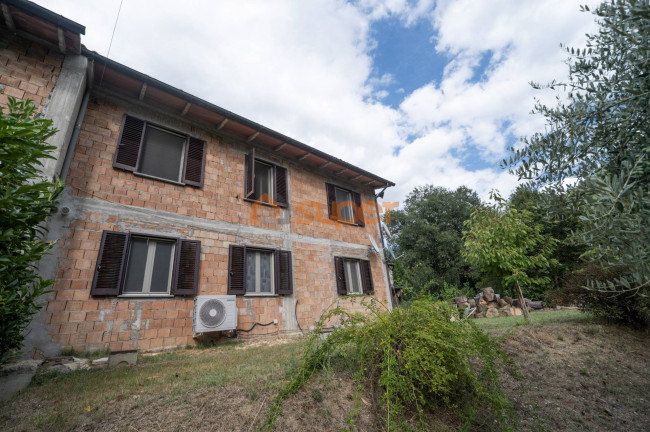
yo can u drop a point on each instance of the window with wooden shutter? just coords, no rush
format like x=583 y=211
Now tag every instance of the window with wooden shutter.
x=160 y=153
x=344 y=205
x=141 y=265
x=259 y=271
x=285 y=282
x=366 y=277
x=237 y=270
x=339 y=270
x=186 y=269
x=110 y=261
x=265 y=181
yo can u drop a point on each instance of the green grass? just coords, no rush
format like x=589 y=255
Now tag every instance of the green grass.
x=537 y=319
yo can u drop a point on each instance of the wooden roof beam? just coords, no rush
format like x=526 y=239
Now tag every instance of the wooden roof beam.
x=325 y=164
x=143 y=91
x=280 y=147
x=252 y=137
x=186 y=109
x=341 y=171
x=222 y=124
x=9 y=21
x=304 y=156
x=59 y=32
x=356 y=177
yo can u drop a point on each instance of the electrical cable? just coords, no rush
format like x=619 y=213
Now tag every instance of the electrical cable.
x=255 y=324
x=295 y=311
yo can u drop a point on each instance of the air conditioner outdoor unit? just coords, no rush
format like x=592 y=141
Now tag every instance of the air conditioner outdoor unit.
x=214 y=313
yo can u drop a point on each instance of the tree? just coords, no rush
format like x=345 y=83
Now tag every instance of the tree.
x=428 y=234
x=598 y=137
x=26 y=200
x=504 y=241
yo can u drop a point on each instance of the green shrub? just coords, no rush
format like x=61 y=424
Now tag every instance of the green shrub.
x=26 y=200
x=417 y=357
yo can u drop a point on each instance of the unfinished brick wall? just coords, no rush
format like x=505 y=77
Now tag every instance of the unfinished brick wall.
x=27 y=70
x=76 y=319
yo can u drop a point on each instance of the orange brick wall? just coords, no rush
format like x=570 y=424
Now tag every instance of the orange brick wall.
x=75 y=319
x=27 y=70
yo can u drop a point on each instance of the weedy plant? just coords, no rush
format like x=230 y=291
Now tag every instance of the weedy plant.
x=416 y=359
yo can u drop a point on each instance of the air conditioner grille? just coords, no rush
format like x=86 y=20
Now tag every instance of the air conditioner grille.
x=212 y=313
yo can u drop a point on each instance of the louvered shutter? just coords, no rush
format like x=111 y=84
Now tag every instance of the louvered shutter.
x=186 y=267
x=128 y=147
x=358 y=210
x=281 y=193
x=249 y=181
x=107 y=280
x=339 y=271
x=331 y=201
x=194 y=162
x=237 y=270
x=366 y=276
x=285 y=282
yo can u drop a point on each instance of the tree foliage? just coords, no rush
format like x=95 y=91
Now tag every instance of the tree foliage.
x=504 y=241
x=598 y=136
x=26 y=200
x=428 y=236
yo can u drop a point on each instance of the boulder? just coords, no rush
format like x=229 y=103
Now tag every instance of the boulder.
x=488 y=294
x=481 y=308
x=479 y=315
x=506 y=311
x=492 y=312
x=472 y=302
x=502 y=303
x=459 y=300
x=535 y=305
x=508 y=300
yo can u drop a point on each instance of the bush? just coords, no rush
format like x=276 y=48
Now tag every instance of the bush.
x=26 y=200
x=578 y=288
x=417 y=358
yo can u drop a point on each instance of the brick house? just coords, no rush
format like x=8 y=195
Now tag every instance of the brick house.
x=169 y=197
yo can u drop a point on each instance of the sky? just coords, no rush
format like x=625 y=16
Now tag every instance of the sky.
x=416 y=91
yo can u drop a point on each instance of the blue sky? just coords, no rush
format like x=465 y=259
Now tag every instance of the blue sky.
x=416 y=91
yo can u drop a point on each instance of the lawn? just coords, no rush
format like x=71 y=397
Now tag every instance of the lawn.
x=576 y=374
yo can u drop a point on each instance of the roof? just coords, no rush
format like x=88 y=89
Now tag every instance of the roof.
x=35 y=22
x=110 y=74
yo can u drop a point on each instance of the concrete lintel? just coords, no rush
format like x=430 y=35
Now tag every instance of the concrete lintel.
x=63 y=108
x=158 y=217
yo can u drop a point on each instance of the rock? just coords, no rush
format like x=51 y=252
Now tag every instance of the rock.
x=516 y=311
x=472 y=302
x=459 y=300
x=506 y=310
x=508 y=300
x=482 y=307
x=492 y=312
x=535 y=304
x=488 y=294
x=479 y=315
x=502 y=303
x=482 y=301
x=65 y=364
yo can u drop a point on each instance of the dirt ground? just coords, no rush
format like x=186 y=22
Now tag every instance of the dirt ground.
x=575 y=376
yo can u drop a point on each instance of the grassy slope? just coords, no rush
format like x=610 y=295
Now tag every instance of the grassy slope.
x=578 y=375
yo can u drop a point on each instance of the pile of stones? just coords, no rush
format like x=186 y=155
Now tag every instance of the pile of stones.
x=487 y=304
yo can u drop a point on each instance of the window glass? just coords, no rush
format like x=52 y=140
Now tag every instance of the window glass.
x=137 y=263
x=162 y=154
x=162 y=266
x=263 y=180
x=149 y=266
x=344 y=209
x=259 y=271
x=353 y=277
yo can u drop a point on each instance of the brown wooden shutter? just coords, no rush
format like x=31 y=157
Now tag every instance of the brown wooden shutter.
x=358 y=210
x=281 y=193
x=194 y=162
x=285 y=282
x=237 y=270
x=339 y=271
x=249 y=181
x=129 y=144
x=331 y=201
x=186 y=267
x=366 y=276
x=107 y=280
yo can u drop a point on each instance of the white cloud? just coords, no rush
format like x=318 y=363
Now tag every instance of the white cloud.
x=306 y=69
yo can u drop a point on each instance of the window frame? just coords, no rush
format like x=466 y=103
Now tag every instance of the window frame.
x=366 y=284
x=132 y=141
x=333 y=210
x=279 y=184
x=347 y=264
x=149 y=263
x=273 y=291
x=112 y=264
x=282 y=267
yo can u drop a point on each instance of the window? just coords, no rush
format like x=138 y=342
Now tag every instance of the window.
x=157 y=152
x=344 y=205
x=353 y=276
x=142 y=265
x=259 y=271
x=265 y=181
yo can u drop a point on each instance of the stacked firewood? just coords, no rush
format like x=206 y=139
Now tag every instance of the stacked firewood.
x=487 y=304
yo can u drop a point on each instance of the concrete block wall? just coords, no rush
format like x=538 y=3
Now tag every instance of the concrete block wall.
x=102 y=198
